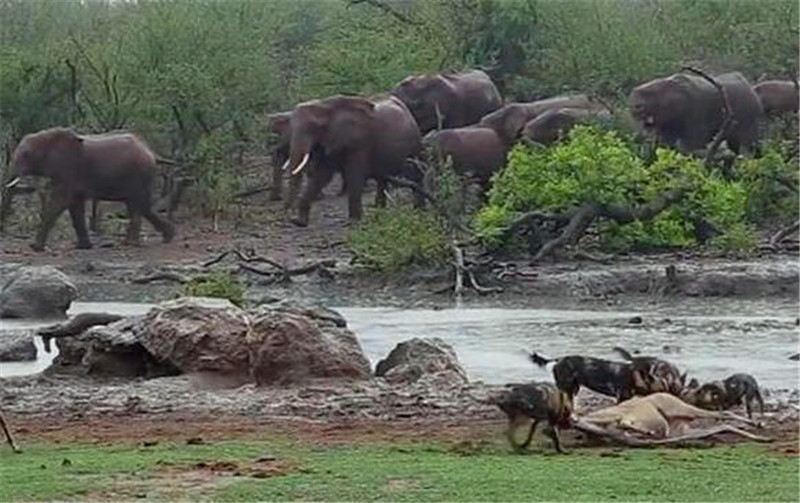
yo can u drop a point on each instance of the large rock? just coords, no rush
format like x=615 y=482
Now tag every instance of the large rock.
x=110 y=351
x=288 y=344
x=17 y=346
x=196 y=337
x=429 y=358
x=37 y=292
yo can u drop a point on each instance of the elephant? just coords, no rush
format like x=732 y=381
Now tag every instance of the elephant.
x=454 y=99
x=554 y=124
x=778 y=96
x=511 y=119
x=278 y=127
x=475 y=151
x=361 y=138
x=114 y=166
x=686 y=111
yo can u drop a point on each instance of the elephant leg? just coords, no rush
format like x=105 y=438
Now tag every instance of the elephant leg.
x=94 y=217
x=295 y=184
x=54 y=207
x=356 y=177
x=143 y=206
x=276 y=192
x=77 y=211
x=316 y=182
x=134 y=233
x=343 y=188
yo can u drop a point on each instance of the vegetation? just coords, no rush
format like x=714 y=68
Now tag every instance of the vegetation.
x=196 y=78
x=219 y=284
x=392 y=238
x=402 y=472
x=600 y=168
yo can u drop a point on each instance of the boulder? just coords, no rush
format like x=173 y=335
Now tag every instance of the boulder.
x=17 y=346
x=311 y=310
x=37 y=292
x=196 y=337
x=110 y=351
x=289 y=345
x=428 y=358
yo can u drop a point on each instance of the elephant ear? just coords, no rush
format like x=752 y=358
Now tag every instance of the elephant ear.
x=507 y=122
x=349 y=123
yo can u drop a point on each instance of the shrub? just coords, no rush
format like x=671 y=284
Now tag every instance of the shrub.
x=600 y=167
x=219 y=284
x=392 y=238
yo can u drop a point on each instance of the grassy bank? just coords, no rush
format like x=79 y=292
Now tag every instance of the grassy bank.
x=277 y=470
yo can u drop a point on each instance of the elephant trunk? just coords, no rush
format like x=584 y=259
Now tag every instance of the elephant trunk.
x=299 y=154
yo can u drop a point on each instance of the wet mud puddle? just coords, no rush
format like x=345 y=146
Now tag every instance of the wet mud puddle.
x=491 y=343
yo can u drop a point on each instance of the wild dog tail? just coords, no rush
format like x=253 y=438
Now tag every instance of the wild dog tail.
x=540 y=360
x=623 y=353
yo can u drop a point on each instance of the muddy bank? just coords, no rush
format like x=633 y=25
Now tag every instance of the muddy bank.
x=649 y=278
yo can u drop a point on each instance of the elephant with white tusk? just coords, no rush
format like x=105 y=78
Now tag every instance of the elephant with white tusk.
x=359 y=137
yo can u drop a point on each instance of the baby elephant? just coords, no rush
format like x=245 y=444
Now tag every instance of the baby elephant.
x=778 y=96
x=722 y=395
x=111 y=167
x=553 y=125
x=539 y=402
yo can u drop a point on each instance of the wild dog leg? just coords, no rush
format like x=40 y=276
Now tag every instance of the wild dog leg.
x=530 y=434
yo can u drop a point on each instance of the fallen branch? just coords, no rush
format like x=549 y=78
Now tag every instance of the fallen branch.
x=784 y=233
x=161 y=276
x=252 y=192
x=75 y=326
x=7 y=432
x=282 y=274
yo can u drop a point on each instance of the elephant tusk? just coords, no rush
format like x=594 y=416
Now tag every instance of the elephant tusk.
x=286 y=164
x=302 y=164
x=13 y=183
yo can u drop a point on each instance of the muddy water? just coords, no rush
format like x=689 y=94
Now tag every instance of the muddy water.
x=709 y=339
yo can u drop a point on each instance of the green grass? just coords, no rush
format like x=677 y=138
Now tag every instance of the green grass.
x=401 y=472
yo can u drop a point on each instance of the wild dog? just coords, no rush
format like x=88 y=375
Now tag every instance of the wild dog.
x=603 y=376
x=656 y=374
x=726 y=394
x=537 y=401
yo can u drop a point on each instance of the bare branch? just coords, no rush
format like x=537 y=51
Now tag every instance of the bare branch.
x=387 y=9
x=727 y=116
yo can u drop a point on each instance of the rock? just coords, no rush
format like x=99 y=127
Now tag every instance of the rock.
x=196 y=337
x=312 y=310
x=17 y=346
x=411 y=360
x=288 y=346
x=110 y=351
x=636 y=320
x=37 y=292
x=795 y=357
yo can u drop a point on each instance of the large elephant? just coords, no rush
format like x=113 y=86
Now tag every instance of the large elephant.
x=511 y=119
x=279 y=130
x=114 y=166
x=778 y=96
x=554 y=124
x=362 y=138
x=454 y=99
x=686 y=111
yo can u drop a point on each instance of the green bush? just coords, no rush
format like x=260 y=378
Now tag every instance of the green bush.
x=392 y=238
x=772 y=186
x=599 y=167
x=219 y=284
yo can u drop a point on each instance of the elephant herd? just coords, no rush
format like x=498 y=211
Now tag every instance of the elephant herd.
x=457 y=115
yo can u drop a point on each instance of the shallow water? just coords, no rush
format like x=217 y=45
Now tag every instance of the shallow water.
x=709 y=339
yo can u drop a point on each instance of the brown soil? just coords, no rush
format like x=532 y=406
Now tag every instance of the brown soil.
x=255 y=223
